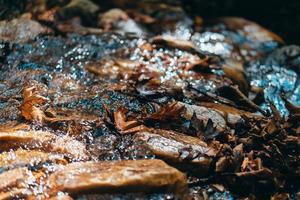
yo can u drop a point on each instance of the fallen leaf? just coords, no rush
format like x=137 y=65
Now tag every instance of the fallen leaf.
x=30 y=107
x=166 y=112
x=121 y=122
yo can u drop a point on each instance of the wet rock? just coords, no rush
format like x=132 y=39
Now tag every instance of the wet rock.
x=16 y=177
x=21 y=30
x=117 y=176
x=287 y=56
x=22 y=157
x=4 y=50
x=215 y=43
x=251 y=30
x=74 y=25
x=111 y=17
x=118 y=21
x=178 y=148
x=230 y=114
x=275 y=81
x=204 y=114
x=86 y=9
x=253 y=40
x=173 y=42
x=42 y=140
x=169 y=19
x=14 y=192
x=114 y=70
x=117 y=94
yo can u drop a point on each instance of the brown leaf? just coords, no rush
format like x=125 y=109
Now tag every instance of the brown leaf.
x=30 y=107
x=237 y=76
x=234 y=94
x=166 y=113
x=250 y=164
x=222 y=164
x=119 y=69
x=276 y=113
x=48 y=15
x=121 y=122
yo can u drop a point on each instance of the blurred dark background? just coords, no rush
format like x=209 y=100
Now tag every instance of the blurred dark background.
x=280 y=16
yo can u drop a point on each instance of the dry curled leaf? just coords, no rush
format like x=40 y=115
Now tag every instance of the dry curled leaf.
x=30 y=107
x=251 y=164
x=166 y=112
x=125 y=126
